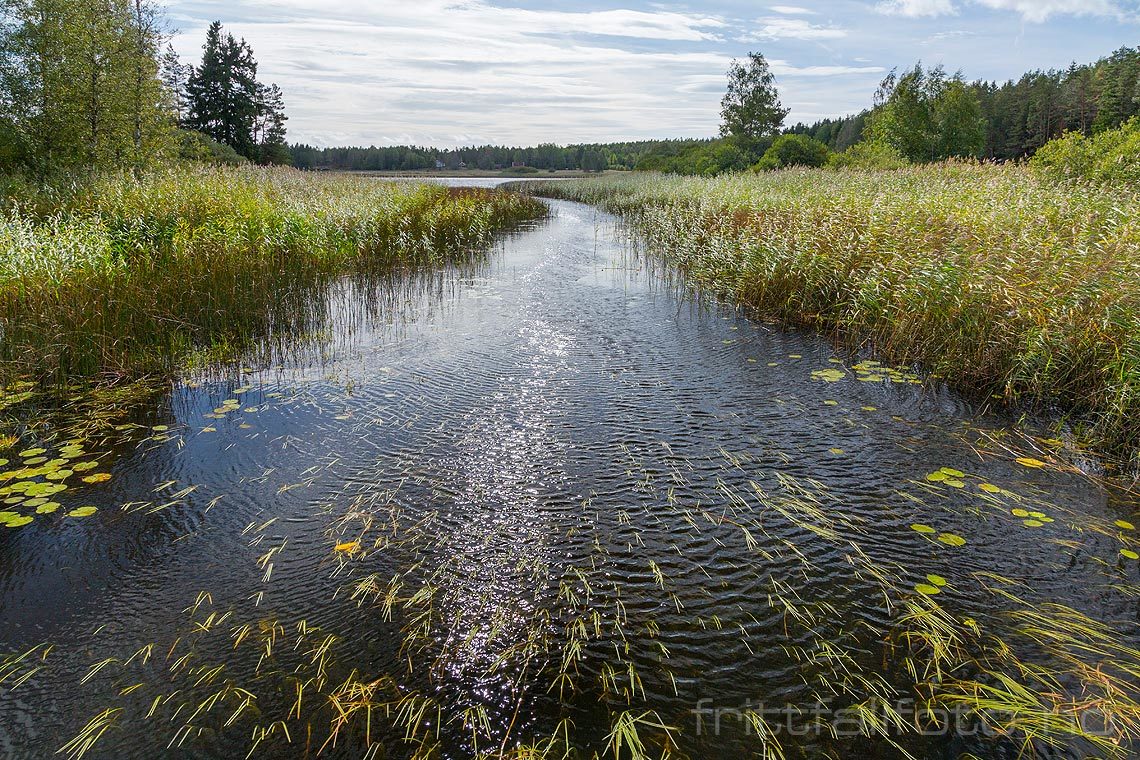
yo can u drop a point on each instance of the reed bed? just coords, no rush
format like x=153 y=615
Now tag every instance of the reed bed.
x=123 y=276
x=998 y=280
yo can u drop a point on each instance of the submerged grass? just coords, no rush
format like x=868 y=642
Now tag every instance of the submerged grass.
x=120 y=275
x=987 y=275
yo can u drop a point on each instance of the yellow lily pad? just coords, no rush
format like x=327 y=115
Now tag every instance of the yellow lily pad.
x=952 y=539
x=83 y=512
x=99 y=477
x=1035 y=464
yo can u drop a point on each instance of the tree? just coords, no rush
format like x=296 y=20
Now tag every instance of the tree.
x=175 y=77
x=751 y=108
x=229 y=105
x=958 y=121
x=78 y=83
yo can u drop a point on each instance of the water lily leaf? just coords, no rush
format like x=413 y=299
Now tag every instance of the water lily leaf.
x=83 y=512
x=927 y=590
x=1129 y=554
x=1033 y=523
x=1019 y=512
x=99 y=477
x=936 y=477
x=870 y=409
x=989 y=488
x=19 y=522
x=954 y=483
x=160 y=428
x=952 y=472
x=920 y=528
x=1124 y=525
x=952 y=539
x=829 y=375
x=32 y=453
x=937 y=580
x=1038 y=515
x=837 y=452
x=830 y=402
x=1035 y=464
x=49 y=508
x=350 y=547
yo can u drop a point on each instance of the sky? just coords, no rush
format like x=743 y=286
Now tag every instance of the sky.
x=448 y=73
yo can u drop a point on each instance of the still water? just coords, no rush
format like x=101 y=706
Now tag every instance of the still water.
x=525 y=498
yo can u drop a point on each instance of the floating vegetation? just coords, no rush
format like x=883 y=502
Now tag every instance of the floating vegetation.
x=967 y=269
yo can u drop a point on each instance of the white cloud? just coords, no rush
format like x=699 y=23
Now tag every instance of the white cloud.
x=916 y=8
x=793 y=10
x=785 y=69
x=777 y=28
x=1039 y=11
x=1036 y=11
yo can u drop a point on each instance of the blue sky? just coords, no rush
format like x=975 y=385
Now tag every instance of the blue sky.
x=461 y=72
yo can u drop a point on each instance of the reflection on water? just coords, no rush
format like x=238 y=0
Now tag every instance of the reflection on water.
x=489 y=506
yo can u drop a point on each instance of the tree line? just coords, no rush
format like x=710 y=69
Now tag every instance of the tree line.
x=93 y=84
x=546 y=157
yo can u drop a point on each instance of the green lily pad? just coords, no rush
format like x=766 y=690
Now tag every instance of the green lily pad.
x=829 y=375
x=49 y=508
x=952 y=539
x=1019 y=512
x=1129 y=554
x=953 y=473
x=32 y=453
x=1034 y=464
x=927 y=590
x=84 y=466
x=920 y=528
x=1124 y=525
x=83 y=512
x=936 y=477
x=953 y=483
x=1033 y=523
x=937 y=580
x=989 y=488
x=19 y=521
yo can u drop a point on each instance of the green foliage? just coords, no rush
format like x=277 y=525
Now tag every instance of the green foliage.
x=225 y=101
x=751 y=108
x=707 y=158
x=793 y=150
x=870 y=156
x=195 y=146
x=1111 y=157
x=970 y=269
x=925 y=116
x=79 y=85
x=128 y=275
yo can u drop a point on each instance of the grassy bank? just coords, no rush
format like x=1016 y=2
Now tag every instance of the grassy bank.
x=122 y=276
x=986 y=275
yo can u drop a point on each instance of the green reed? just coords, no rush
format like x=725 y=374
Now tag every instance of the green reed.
x=1000 y=281
x=124 y=276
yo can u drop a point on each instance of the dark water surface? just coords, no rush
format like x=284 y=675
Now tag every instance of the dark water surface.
x=552 y=447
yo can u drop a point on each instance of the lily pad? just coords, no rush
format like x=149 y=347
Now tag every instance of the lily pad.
x=989 y=488
x=1033 y=523
x=952 y=472
x=1035 y=464
x=19 y=522
x=954 y=483
x=1124 y=525
x=99 y=477
x=952 y=539
x=49 y=508
x=32 y=453
x=1023 y=513
x=83 y=512
x=937 y=580
x=920 y=528
x=1129 y=554
x=927 y=590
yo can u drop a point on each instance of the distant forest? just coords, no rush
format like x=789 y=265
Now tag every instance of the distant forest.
x=1020 y=116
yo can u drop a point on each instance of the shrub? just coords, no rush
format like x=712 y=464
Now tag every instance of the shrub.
x=1111 y=157
x=793 y=150
x=869 y=155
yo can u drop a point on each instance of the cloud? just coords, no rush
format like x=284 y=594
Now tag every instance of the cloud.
x=916 y=8
x=1035 y=11
x=793 y=10
x=777 y=28
x=785 y=69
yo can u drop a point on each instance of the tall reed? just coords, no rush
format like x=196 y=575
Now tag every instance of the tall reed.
x=1001 y=282
x=123 y=275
